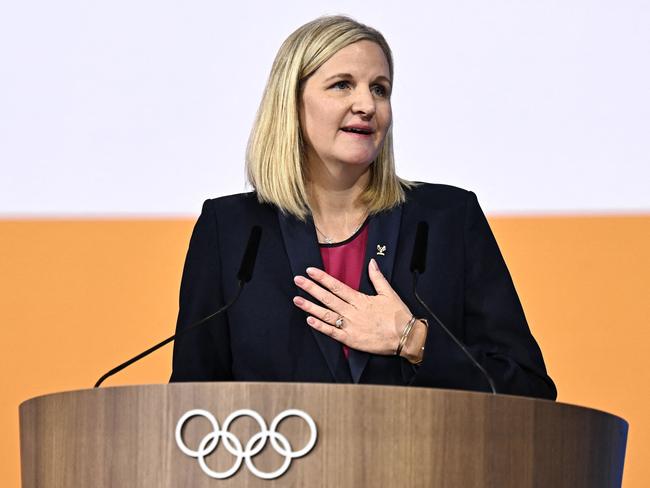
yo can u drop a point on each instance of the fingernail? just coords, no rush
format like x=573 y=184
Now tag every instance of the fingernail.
x=373 y=263
x=312 y=271
x=298 y=280
x=311 y=320
x=298 y=300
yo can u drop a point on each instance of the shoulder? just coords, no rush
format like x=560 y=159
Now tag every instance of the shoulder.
x=238 y=211
x=436 y=195
x=239 y=202
x=232 y=200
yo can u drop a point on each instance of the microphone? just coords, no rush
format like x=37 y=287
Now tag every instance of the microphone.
x=419 y=257
x=418 y=265
x=244 y=276
x=248 y=261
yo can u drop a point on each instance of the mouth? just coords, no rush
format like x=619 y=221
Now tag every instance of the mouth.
x=363 y=131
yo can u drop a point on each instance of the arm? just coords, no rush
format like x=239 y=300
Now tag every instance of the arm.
x=494 y=327
x=203 y=354
x=491 y=322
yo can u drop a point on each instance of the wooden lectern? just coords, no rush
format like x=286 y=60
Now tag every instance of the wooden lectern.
x=361 y=436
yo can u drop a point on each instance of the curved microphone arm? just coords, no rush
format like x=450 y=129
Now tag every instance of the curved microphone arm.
x=119 y=368
x=452 y=336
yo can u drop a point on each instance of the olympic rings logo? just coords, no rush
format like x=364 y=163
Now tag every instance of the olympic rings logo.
x=254 y=445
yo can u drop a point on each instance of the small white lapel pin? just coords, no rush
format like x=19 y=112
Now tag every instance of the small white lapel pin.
x=380 y=250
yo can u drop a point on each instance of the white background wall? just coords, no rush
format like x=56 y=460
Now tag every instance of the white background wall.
x=143 y=107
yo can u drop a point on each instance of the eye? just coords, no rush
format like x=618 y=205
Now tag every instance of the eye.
x=341 y=85
x=380 y=91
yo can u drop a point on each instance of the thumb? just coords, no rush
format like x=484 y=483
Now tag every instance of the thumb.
x=382 y=287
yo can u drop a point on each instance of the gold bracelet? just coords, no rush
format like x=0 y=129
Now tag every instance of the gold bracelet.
x=405 y=335
x=426 y=327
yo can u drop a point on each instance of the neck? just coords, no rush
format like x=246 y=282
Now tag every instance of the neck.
x=334 y=186
x=334 y=199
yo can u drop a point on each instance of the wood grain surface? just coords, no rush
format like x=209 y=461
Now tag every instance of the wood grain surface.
x=368 y=436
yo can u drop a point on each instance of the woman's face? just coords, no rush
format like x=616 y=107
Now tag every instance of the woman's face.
x=345 y=107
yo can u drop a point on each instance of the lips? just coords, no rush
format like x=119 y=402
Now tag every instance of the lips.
x=358 y=129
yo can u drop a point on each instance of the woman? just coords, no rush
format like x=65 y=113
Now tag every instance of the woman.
x=331 y=297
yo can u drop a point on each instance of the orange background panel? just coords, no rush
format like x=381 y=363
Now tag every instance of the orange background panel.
x=78 y=297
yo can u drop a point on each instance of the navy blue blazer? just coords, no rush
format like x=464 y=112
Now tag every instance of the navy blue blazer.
x=264 y=337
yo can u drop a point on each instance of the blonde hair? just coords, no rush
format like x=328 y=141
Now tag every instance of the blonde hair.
x=275 y=155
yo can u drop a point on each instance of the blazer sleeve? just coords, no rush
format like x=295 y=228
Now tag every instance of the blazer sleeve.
x=204 y=353
x=494 y=326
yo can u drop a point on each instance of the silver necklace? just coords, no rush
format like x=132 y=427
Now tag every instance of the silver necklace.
x=329 y=240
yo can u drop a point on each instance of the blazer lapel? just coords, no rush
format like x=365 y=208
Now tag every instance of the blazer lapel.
x=383 y=233
x=301 y=244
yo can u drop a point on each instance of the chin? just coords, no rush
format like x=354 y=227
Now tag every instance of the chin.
x=358 y=163
x=364 y=159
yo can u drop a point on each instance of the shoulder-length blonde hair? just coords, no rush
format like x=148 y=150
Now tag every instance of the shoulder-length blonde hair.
x=275 y=155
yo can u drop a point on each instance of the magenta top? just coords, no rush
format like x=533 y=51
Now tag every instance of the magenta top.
x=345 y=260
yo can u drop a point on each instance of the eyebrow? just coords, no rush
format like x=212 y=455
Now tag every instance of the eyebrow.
x=348 y=76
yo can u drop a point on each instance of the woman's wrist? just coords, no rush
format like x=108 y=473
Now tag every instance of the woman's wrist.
x=413 y=348
x=403 y=337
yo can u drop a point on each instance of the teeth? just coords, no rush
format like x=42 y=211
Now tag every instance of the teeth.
x=356 y=131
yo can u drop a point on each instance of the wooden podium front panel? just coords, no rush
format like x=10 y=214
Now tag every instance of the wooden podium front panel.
x=368 y=436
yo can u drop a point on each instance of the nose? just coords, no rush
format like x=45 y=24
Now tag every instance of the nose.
x=363 y=103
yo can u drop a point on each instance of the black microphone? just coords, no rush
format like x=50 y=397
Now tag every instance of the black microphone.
x=248 y=261
x=418 y=265
x=419 y=257
x=244 y=276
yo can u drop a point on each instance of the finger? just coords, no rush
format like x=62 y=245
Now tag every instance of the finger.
x=324 y=314
x=328 y=299
x=381 y=284
x=336 y=334
x=337 y=287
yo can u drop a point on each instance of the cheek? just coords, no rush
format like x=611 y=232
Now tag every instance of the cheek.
x=315 y=117
x=323 y=114
x=385 y=114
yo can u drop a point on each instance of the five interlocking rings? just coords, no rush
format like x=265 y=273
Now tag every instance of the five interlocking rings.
x=254 y=445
